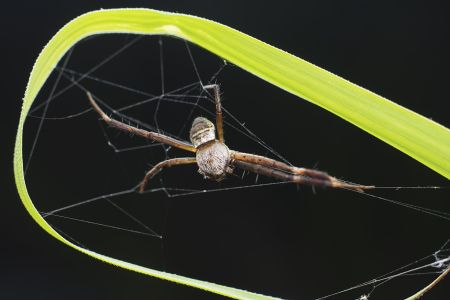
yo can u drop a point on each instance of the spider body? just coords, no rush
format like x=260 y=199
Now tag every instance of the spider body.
x=215 y=160
x=212 y=156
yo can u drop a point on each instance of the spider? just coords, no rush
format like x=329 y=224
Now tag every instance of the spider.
x=215 y=160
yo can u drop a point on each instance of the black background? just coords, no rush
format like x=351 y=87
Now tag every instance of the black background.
x=275 y=241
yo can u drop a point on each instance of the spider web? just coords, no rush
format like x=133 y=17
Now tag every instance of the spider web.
x=102 y=166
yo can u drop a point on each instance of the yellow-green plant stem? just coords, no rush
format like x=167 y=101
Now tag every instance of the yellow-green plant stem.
x=419 y=137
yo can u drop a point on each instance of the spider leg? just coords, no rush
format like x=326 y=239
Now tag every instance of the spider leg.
x=275 y=164
x=273 y=168
x=219 y=122
x=140 y=132
x=164 y=164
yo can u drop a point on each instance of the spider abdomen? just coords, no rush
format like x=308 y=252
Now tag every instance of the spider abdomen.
x=213 y=160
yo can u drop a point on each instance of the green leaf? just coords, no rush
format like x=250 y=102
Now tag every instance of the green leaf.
x=413 y=134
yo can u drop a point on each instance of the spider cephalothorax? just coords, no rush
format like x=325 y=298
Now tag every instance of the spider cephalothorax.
x=213 y=157
x=215 y=160
x=202 y=131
